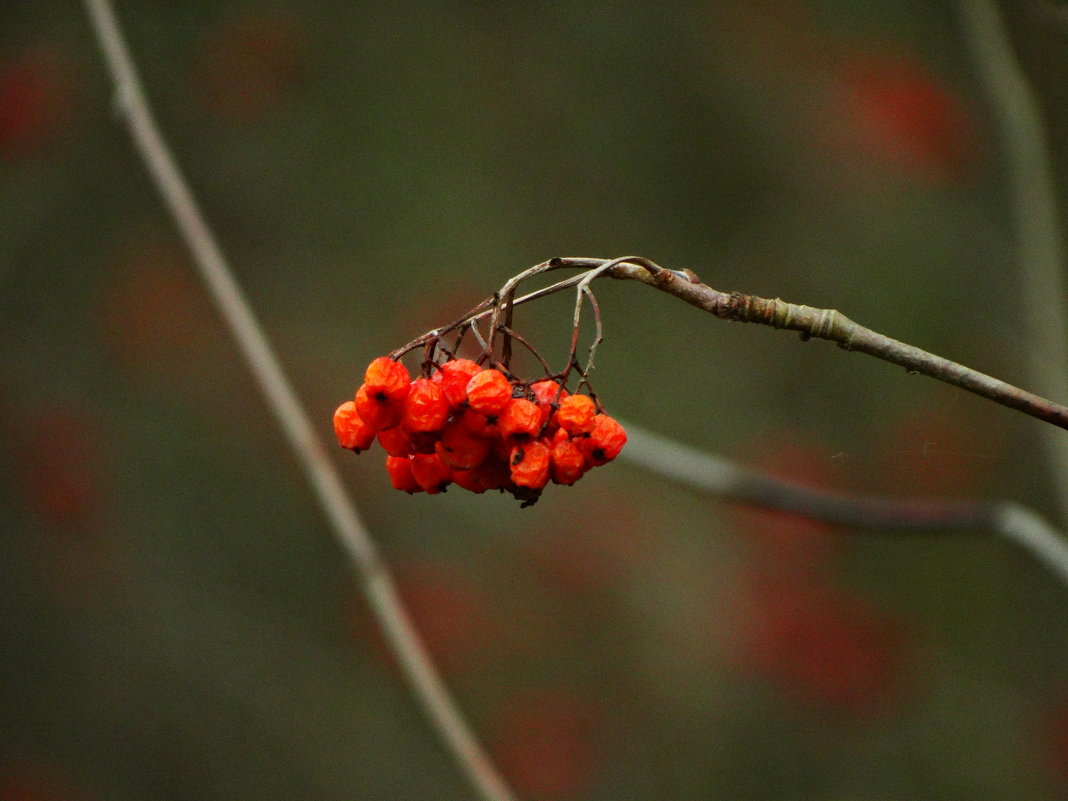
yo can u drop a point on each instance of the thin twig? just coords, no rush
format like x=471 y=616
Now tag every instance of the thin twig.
x=692 y=468
x=1040 y=247
x=807 y=320
x=834 y=326
x=378 y=586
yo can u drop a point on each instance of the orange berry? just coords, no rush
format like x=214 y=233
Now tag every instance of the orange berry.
x=493 y=473
x=425 y=407
x=521 y=420
x=546 y=393
x=394 y=441
x=489 y=391
x=530 y=465
x=460 y=449
x=352 y=432
x=576 y=414
x=454 y=375
x=568 y=462
x=421 y=441
x=468 y=480
x=386 y=379
x=604 y=442
x=432 y=474
x=376 y=413
x=484 y=425
x=400 y=474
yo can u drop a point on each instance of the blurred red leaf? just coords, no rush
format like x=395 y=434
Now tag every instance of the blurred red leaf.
x=37 y=99
x=892 y=107
x=824 y=646
x=246 y=66
x=547 y=744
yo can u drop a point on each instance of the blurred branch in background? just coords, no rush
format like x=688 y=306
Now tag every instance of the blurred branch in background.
x=1040 y=248
x=706 y=473
x=376 y=581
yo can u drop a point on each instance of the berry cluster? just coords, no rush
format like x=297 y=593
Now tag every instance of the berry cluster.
x=474 y=427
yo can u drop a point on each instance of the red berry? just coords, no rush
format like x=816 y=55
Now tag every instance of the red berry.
x=489 y=391
x=494 y=473
x=352 y=432
x=547 y=393
x=604 y=442
x=400 y=474
x=421 y=441
x=576 y=414
x=520 y=420
x=378 y=414
x=460 y=449
x=386 y=379
x=425 y=407
x=432 y=474
x=468 y=480
x=484 y=425
x=568 y=462
x=530 y=465
x=454 y=376
x=394 y=441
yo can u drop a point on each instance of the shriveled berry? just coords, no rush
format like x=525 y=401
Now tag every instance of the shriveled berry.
x=394 y=442
x=604 y=442
x=454 y=376
x=460 y=449
x=400 y=474
x=352 y=432
x=421 y=441
x=576 y=414
x=432 y=474
x=386 y=379
x=489 y=391
x=546 y=393
x=484 y=425
x=468 y=480
x=378 y=414
x=425 y=407
x=520 y=420
x=568 y=462
x=494 y=473
x=530 y=465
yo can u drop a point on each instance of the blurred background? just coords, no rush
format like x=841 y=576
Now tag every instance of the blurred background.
x=177 y=621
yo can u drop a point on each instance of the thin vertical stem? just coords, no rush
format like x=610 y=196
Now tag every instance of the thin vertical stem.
x=429 y=689
x=1040 y=247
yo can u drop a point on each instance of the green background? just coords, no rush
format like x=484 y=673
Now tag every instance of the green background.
x=176 y=621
